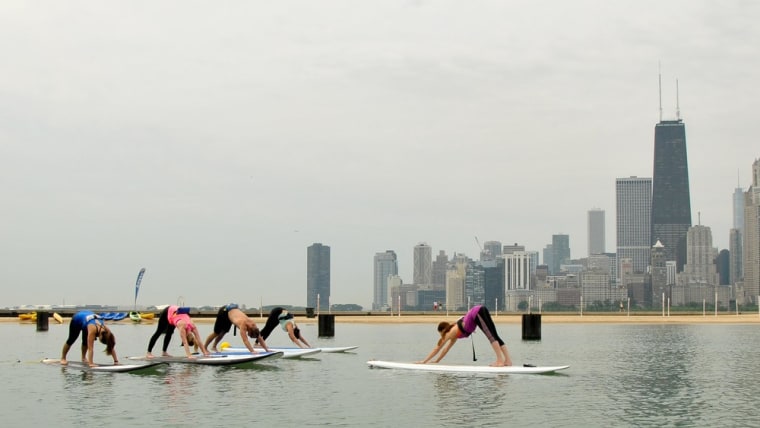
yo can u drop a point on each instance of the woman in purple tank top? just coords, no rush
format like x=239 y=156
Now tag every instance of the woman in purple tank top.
x=476 y=317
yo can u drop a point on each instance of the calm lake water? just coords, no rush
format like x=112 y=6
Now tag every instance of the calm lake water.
x=620 y=375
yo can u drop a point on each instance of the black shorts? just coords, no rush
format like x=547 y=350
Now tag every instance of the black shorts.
x=222 y=323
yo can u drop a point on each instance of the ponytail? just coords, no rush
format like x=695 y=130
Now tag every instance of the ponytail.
x=109 y=341
x=443 y=328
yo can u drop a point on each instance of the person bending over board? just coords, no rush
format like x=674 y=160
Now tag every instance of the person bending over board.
x=478 y=316
x=285 y=319
x=231 y=314
x=91 y=326
x=180 y=319
x=163 y=328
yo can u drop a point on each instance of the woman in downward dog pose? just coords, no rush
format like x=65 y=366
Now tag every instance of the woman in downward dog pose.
x=91 y=327
x=287 y=322
x=478 y=316
x=180 y=319
x=163 y=328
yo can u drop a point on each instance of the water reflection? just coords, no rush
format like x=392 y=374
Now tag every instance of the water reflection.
x=651 y=377
x=462 y=396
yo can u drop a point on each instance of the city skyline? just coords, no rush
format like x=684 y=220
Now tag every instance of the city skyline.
x=214 y=154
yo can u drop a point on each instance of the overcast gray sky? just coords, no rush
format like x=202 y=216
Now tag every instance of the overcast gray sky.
x=212 y=142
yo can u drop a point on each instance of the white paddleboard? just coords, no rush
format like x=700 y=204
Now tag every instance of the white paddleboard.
x=215 y=359
x=78 y=365
x=287 y=353
x=337 y=349
x=465 y=368
x=328 y=350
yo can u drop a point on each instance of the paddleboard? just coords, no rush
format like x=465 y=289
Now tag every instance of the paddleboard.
x=336 y=349
x=465 y=368
x=287 y=353
x=218 y=359
x=329 y=350
x=109 y=368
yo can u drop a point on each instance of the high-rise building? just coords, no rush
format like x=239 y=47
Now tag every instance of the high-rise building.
x=751 y=237
x=386 y=264
x=492 y=249
x=735 y=239
x=735 y=256
x=738 y=200
x=318 y=276
x=560 y=252
x=671 y=203
x=548 y=253
x=699 y=268
x=455 y=289
x=440 y=265
x=423 y=264
x=596 y=236
x=633 y=198
x=659 y=273
x=723 y=262
x=494 y=286
x=509 y=249
x=517 y=271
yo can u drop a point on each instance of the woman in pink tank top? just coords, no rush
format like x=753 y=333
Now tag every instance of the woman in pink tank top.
x=180 y=319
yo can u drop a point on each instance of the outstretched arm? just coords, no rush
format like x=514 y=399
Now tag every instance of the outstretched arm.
x=197 y=337
x=183 y=336
x=246 y=342
x=260 y=341
x=305 y=342
x=446 y=348
x=431 y=354
x=292 y=335
x=443 y=348
x=296 y=340
x=90 y=343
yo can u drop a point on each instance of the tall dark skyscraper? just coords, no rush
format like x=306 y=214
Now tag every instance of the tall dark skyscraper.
x=318 y=276
x=671 y=206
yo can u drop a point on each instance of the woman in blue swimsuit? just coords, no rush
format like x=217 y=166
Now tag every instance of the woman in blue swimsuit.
x=90 y=326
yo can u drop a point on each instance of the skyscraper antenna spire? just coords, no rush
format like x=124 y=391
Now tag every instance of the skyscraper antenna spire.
x=659 y=85
x=678 y=103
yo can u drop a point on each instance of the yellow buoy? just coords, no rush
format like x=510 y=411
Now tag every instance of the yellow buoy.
x=57 y=318
x=224 y=345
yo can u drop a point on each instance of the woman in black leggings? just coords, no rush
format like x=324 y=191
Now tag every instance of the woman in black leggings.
x=163 y=328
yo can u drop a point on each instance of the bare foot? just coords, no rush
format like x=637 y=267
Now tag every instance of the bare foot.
x=214 y=349
x=64 y=362
x=165 y=354
x=149 y=356
x=497 y=364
